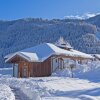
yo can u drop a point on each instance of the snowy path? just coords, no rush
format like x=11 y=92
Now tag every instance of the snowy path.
x=19 y=95
x=52 y=88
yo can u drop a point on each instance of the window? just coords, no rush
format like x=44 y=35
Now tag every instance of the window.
x=56 y=60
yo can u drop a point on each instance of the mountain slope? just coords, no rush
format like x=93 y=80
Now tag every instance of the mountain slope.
x=23 y=33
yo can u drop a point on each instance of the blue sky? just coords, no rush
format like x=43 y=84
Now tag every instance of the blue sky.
x=15 y=9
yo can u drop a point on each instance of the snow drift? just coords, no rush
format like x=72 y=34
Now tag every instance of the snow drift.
x=90 y=71
x=6 y=93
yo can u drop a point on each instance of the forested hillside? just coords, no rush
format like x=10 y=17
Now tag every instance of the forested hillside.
x=23 y=33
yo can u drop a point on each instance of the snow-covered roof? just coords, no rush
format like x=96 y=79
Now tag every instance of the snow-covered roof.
x=41 y=52
x=96 y=55
x=7 y=56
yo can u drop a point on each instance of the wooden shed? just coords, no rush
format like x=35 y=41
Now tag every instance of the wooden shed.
x=42 y=60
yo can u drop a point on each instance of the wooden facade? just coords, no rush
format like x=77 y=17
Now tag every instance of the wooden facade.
x=32 y=69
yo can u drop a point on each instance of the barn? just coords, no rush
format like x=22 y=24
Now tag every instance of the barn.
x=42 y=60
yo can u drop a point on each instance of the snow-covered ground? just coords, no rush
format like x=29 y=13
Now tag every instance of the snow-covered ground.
x=6 y=93
x=55 y=88
x=6 y=72
x=89 y=71
x=84 y=86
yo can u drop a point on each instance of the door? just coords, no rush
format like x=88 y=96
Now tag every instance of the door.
x=24 y=70
x=54 y=64
x=61 y=63
x=15 y=70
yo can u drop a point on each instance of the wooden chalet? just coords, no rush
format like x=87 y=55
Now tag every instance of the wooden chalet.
x=42 y=59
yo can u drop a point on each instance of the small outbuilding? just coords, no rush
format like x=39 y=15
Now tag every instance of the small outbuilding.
x=42 y=60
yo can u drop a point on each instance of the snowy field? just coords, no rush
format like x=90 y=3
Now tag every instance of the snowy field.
x=6 y=93
x=52 y=88
x=6 y=72
x=84 y=86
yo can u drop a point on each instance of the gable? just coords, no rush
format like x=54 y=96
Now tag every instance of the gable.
x=16 y=59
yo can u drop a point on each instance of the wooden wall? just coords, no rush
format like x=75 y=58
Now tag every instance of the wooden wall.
x=21 y=69
x=35 y=69
x=42 y=68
